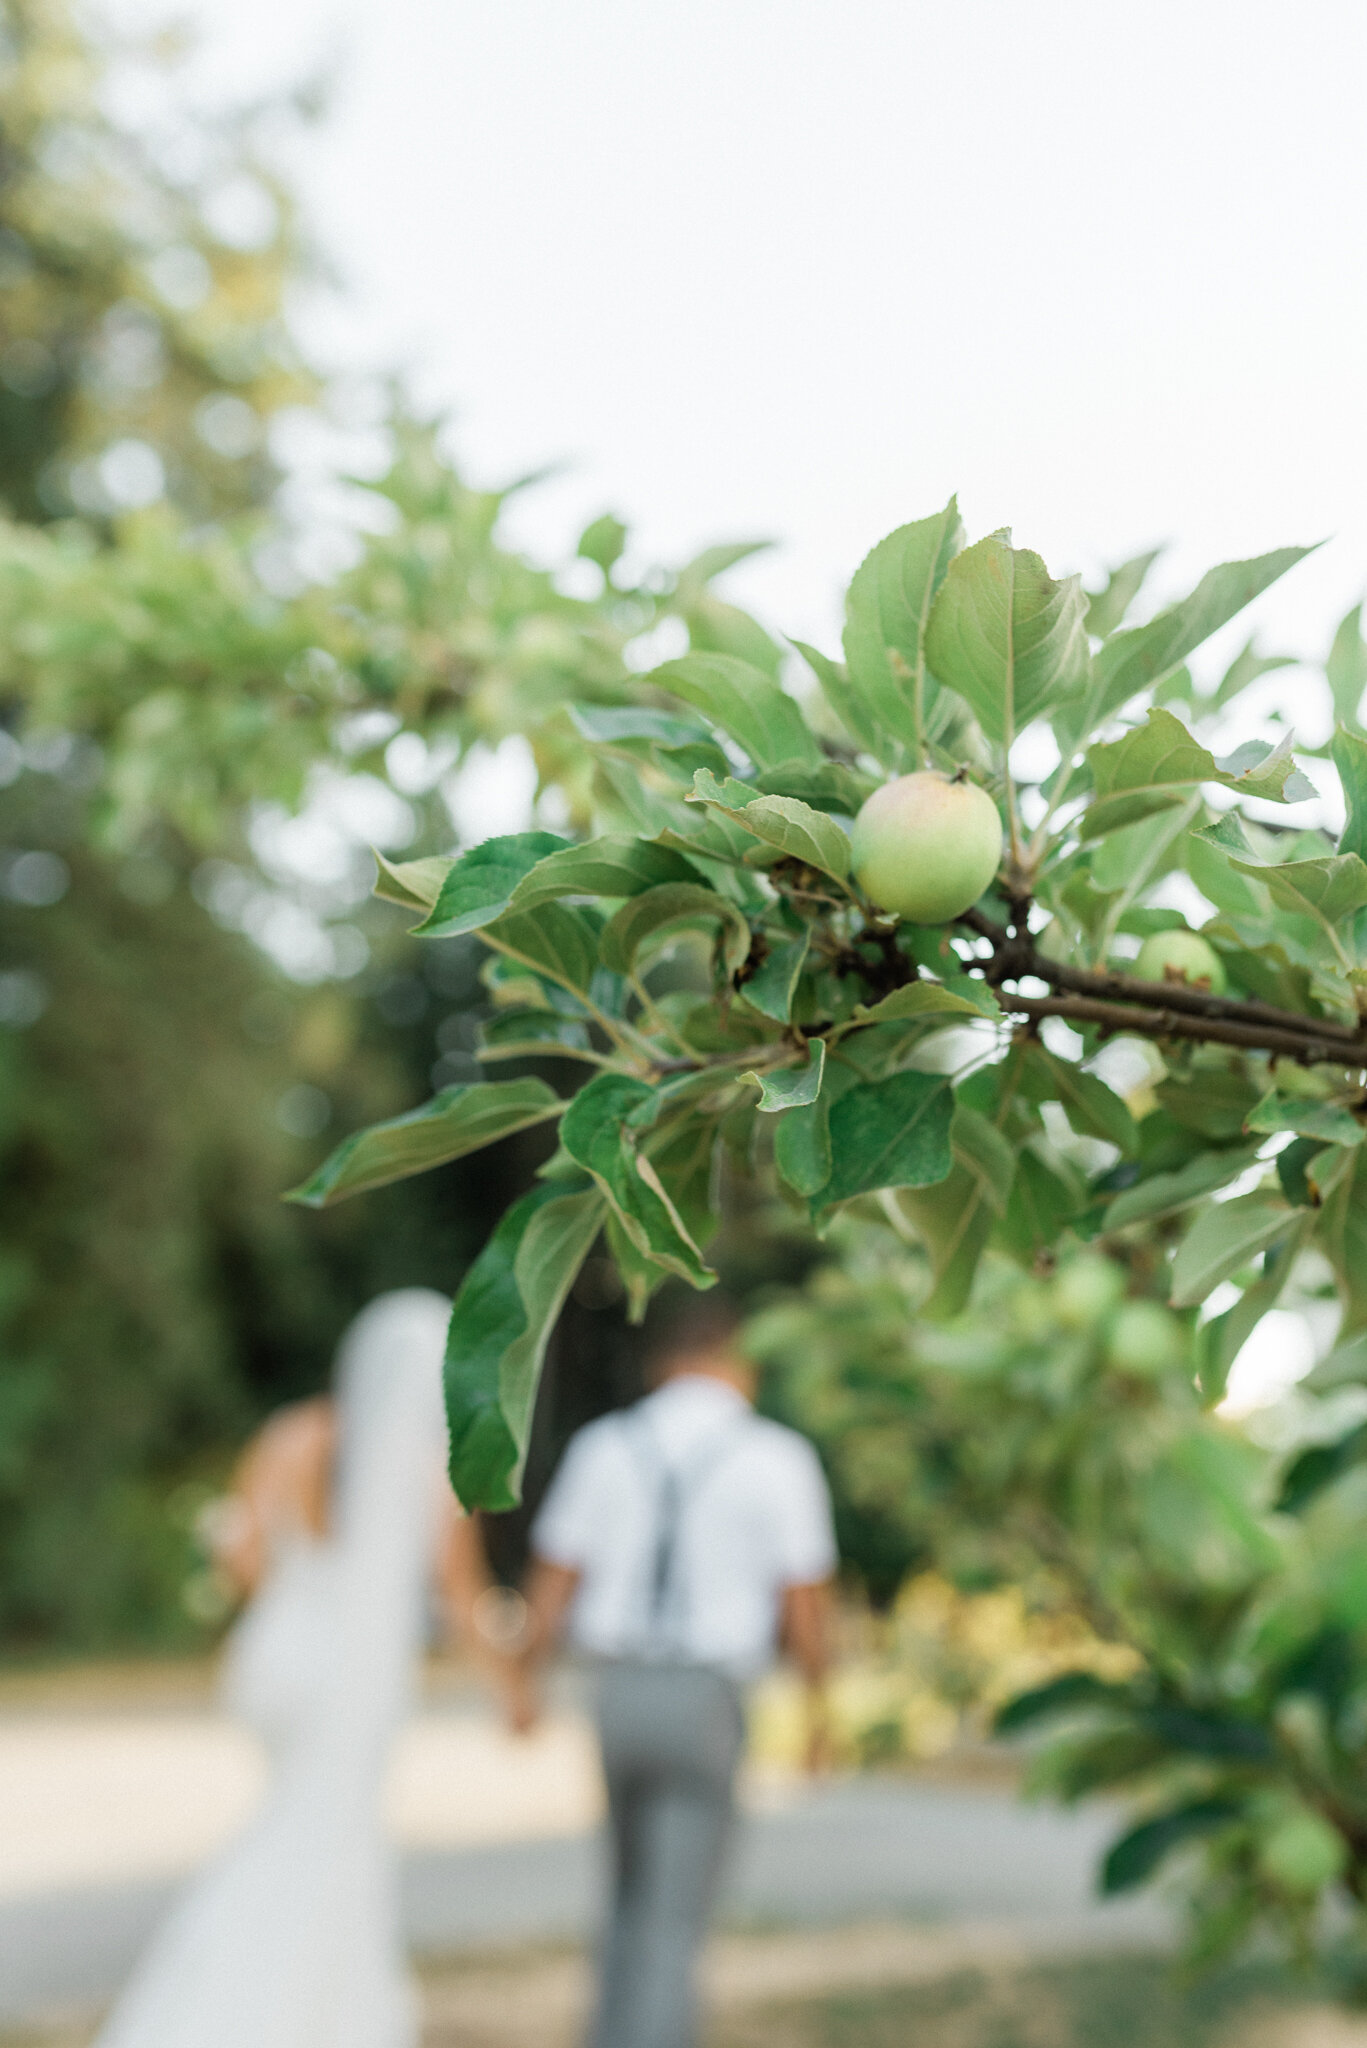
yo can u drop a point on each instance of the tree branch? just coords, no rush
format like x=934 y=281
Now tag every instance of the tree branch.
x=1144 y=1021
x=1226 y=1020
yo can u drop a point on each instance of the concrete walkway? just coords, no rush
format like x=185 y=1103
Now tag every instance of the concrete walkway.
x=110 y=1799
x=847 y=1851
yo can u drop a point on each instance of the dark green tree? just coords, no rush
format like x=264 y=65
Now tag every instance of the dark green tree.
x=143 y=346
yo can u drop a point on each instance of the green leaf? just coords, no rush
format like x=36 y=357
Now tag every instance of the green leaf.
x=1153 y=765
x=602 y=541
x=1247 y=666
x=1007 y=637
x=1330 y=1122
x=1349 y=754
x=887 y=611
x=1341 y=1233
x=480 y=885
x=716 y=560
x=414 y=884
x=1106 y=608
x=1145 y=770
x=1294 y=1163
x=1062 y=1695
x=1126 y=862
x=645 y=922
x=1326 y=890
x=969 y=997
x=1220 y=1339
x=792 y=1087
x=834 y=786
x=456 y=1121
x=534 y=1034
x=1222 y=1239
x=892 y=1133
x=1136 y=1856
x=802 y=1147
x=1202 y=1507
x=1131 y=661
x=1047 y=1192
x=1163 y=1194
x=503 y=1315
x=1095 y=1759
x=634 y=727
x=1207 y=862
x=1268 y=773
x=615 y=865
x=1093 y=1109
x=715 y=627
x=793 y=828
x=745 y=703
x=601 y=1130
x=844 y=699
x=955 y=1218
x=772 y=986
x=1346 y=668
x=1211 y=1097
x=555 y=940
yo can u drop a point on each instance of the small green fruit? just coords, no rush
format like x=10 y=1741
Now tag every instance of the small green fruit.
x=925 y=847
x=1303 y=1853
x=1144 y=1339
x=1181 y=956
x=1086 y=1289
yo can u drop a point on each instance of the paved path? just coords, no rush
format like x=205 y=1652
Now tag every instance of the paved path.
x=847 y=1851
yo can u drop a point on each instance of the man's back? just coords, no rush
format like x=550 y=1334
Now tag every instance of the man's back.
x=684 y=1531
x=691 y=1487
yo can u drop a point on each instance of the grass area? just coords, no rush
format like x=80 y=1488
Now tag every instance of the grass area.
x=1115 y=2002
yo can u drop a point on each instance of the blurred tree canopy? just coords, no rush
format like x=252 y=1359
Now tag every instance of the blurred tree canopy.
x=152 y=1299
x=186 y=716
x=143 y=265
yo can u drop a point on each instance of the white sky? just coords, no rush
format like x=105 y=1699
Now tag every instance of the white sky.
x=801 y=267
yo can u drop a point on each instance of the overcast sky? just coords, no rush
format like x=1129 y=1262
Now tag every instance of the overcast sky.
x=802 y=267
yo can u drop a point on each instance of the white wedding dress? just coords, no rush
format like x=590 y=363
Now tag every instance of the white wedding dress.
x=291 y=1939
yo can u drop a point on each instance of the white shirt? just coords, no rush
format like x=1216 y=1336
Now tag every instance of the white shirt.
x=754 y=1517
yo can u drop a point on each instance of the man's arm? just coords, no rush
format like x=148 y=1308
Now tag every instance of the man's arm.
x=548 y=1592
x=805 y=1635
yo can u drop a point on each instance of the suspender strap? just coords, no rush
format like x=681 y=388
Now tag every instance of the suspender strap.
x=675 y=1487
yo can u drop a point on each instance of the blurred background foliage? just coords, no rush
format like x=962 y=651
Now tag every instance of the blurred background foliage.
x=144 y=262
x=1172 y=1602
x=200 y=730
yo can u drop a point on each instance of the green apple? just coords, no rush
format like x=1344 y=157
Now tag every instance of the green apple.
x=1086 y=1289
x=1303 y=1853
x=1181 y=956
x=1144 y=1338
x=926 y=846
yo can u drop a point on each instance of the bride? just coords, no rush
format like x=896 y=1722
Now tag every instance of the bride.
x=339 y=1521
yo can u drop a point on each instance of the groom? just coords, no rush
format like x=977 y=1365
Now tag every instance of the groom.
x=682 y=1541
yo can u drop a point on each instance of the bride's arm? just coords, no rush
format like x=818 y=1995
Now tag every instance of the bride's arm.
x=282 y=1482
x=462 y=1571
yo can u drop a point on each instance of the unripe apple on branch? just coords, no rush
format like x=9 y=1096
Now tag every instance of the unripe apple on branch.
x=926 y=846
x=1181 y=956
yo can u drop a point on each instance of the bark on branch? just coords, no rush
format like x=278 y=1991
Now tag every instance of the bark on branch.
x=1143 y=1021
x=1157 y=1009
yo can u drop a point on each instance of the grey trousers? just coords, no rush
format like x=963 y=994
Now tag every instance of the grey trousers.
x=671 y=1736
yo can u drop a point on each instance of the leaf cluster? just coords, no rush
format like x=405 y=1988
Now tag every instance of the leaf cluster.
x=707 y=949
